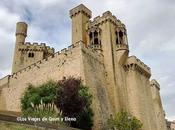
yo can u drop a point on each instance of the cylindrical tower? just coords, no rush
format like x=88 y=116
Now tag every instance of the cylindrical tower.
x=21 y=32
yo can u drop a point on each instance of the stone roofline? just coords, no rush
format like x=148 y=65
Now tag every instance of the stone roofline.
x=36 y=47
x=65 y=51
x=155 y=83
x=133 y=63
x=23 y=31
x=106 y=16
x=81 y=8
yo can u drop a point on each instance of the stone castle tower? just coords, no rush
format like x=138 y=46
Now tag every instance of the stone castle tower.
x=99 y=54
x=27 y=53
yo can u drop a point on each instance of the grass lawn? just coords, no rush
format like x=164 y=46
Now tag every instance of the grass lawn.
x=15 y=126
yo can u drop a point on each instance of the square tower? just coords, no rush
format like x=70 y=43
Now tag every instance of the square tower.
x=80 y=15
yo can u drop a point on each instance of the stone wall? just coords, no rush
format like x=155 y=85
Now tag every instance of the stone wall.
x=64 y=63
x=78 y=61
x=95 y=78
x=159 y=113
x=139 y=93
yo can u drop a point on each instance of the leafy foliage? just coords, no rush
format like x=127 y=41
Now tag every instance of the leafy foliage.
x=85 y=119
x=124 y=121
x=70 y=96
x=38 y=101
x=74 y=100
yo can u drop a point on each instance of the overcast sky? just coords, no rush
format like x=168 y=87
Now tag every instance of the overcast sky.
x=150 y=25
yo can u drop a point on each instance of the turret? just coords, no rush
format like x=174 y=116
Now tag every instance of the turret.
x=21 y=32
x=122 y=48
x=80 y=15
x=121 y=34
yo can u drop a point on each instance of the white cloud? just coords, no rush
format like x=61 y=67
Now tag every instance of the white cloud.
x=7 y=28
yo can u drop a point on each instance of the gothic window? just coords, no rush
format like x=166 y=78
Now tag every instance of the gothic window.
x=116 y=34
x=91 y=39
x=31 y=55
x=120 y=37
x=94 y=36
x=96 y=41
x=90 y=35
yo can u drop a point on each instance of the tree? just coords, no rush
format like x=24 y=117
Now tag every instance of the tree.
x=74 y=100
x=124 y=121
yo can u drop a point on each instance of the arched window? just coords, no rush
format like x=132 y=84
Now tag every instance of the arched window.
x=96 y=41
x=30 y=54
x=116 y=34
x=120 y=37
x=91 y=39
x=95 y=34
x=90 y=35
x=120 y=34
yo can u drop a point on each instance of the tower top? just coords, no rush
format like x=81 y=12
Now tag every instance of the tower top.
x=80 y=8
x=21 y=28
x=155 y=83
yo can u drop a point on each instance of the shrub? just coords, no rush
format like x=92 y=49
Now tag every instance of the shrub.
x=124 y=121
x=74 y=99
x=38 y=101
x=70 y=96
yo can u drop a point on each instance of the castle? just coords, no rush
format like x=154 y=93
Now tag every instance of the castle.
x=99 y=54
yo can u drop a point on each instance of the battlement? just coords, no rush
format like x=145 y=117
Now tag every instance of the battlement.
x=106 y=16
x=122 y=47
x=36 y=47
x=66 y=52
x=133 y=63
x=155 y=83
x=81 y=8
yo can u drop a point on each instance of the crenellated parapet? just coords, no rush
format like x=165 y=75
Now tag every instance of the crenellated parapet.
x=80 y=9
x=66 y=52
x=134 y=64
x=154 y=83
x=106 y=16
x=36 y=47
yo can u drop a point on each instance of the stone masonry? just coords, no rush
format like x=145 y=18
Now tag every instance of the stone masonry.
x=99 y=54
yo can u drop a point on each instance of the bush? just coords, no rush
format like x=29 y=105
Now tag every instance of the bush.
x=85 y=119
x=124 y=121
x=70 y=96
x=74 y=100
x=38 y=101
